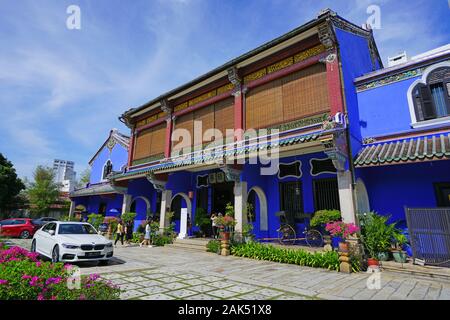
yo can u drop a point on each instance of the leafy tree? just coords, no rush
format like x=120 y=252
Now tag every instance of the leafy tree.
x=85 y=178
x=10 y=185
x=43 y=192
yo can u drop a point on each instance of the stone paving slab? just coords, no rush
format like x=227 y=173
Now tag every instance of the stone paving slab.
x=164 y=273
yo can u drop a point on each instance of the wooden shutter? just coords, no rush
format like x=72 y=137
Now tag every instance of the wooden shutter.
x=305 y=93
x=427 y=103
x=158 y=139
x=224 y=115
x=184 y=122
x=264 y=105
x=143 y=144
x=206 y=116
x=298 y=95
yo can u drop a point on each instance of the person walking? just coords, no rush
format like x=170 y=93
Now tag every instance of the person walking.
x=129 y=232
x=147 y=236
x=214 y=225
x=119 y=233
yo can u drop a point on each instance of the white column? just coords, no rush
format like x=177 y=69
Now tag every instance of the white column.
x=72 y=209
x=346 y=200
x=166 y=198
x=126 y=204
x=183 y=223
x=240 y=206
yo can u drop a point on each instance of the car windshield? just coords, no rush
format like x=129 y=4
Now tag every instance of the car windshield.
x=71 y=228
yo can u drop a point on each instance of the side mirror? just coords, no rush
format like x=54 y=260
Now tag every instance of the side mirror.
x=51 y=232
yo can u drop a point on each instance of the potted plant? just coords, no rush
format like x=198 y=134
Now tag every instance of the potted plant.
x=376 y=235
x=321 y=218
x=247 y=232
x=399 y=241
x=342 y=230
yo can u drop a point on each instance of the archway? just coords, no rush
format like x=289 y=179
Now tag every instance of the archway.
x=362 y=197
x=256 y=193
x=179 y=201
x=141 y=206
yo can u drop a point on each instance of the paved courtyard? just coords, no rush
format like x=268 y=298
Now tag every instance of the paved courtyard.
x=172 y=273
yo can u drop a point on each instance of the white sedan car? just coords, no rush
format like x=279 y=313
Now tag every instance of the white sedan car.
x=71 y=242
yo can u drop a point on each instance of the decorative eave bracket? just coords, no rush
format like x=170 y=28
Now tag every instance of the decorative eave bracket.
x=231 y=173
x=159 y=185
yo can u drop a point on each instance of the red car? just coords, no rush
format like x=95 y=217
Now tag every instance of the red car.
x=17 y=227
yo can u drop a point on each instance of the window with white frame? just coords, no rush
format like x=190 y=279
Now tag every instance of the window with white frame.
x=431 y=98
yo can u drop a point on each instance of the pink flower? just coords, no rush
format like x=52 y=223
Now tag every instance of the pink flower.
x=53 y=298
x=40 y=297
x=3 y=281
x=94 y=276
x=82 y=297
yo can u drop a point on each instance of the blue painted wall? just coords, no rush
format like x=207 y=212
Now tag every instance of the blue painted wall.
x=118 y=157
x=356 y=61
x=390 y=188
x=384 y=110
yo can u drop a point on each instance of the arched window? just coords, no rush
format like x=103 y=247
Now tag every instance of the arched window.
x=431 y=96
x=107 y=169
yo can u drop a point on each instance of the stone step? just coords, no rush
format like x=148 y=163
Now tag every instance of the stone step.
x=193 y=241
x=187 y=246
x=415 y=270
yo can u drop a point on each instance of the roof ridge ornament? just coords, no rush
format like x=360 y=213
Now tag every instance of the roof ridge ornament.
x=326 y=35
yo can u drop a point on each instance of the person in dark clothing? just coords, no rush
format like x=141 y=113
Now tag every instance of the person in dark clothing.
x=129 y=232
x=119 y=233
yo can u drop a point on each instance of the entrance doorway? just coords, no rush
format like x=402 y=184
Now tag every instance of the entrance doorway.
x=222 y=193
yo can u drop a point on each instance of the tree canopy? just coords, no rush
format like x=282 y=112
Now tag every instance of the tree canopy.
x=10 y=184
x=43 y=192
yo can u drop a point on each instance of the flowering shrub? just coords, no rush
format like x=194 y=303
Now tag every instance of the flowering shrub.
x=341 y=229
x=24 y=277
x=225 y=222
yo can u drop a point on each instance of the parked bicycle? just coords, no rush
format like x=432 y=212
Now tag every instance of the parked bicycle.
x=288 y=236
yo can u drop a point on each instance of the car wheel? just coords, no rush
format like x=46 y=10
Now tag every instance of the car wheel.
x=24 y=234
x=33 y=246
x=103 y=262
x=55 y=254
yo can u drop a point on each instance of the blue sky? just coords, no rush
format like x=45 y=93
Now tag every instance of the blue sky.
x=62 y=90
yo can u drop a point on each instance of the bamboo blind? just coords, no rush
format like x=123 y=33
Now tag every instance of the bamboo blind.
x=206 y=116
x=143 y=143
x=224 y=115
x=158 y=139
x=150 y=142
x=184 y=122
x=297 y=95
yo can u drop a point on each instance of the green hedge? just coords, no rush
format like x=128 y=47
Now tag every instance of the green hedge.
x=254 y=250
x=213 y=246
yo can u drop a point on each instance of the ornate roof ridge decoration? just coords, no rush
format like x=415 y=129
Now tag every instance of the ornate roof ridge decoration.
x=397 y=77
x=159 y=185
x=405 y=150
x=114 y=137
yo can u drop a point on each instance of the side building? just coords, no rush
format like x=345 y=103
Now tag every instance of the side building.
x=99 y=195
x=404 y=113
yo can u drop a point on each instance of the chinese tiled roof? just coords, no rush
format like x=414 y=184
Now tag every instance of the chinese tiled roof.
x=193 y=160
x=417 y=149
x=95 y=189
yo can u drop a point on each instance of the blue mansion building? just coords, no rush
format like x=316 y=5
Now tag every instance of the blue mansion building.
x=316 y=123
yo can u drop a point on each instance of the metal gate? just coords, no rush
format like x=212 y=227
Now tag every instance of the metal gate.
x=429 y=233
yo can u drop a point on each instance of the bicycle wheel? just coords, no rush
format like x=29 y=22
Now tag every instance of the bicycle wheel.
x=314 y=238
x=286 y=235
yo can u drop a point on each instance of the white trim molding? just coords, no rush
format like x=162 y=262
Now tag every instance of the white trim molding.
x=290 y=176
x=409 y=96
x=322 y=172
